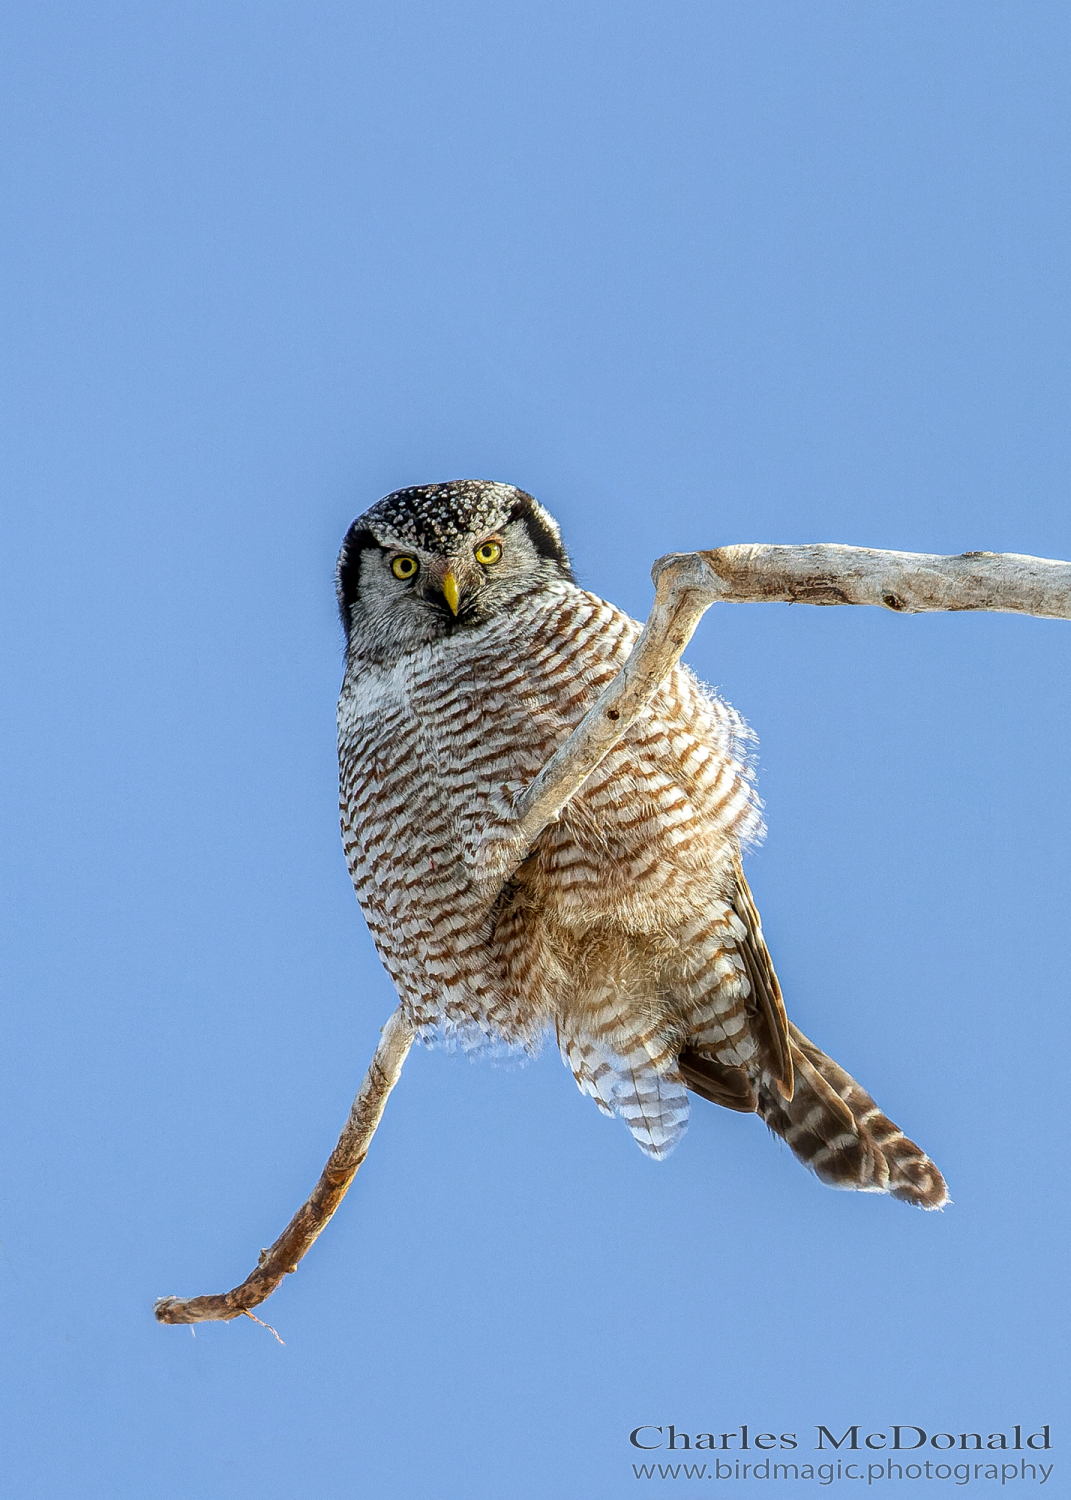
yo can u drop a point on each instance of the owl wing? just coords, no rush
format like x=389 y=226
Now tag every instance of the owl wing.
x=765 y=990
x=735 y=1087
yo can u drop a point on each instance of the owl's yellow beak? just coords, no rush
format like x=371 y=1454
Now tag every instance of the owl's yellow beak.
x=450 y=593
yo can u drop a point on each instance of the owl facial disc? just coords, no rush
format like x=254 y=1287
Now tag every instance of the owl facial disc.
x=429 y=561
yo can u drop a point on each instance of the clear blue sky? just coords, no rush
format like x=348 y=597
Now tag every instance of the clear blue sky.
x=692 y=273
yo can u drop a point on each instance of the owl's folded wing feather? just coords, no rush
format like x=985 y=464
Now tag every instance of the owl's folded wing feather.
x=721 y=1084
x=765 y=990
x=737 y=1087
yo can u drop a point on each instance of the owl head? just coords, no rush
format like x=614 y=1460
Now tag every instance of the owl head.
x=437 y=559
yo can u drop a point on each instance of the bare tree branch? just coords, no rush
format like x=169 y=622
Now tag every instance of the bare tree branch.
x=313 y=1215
x=683 y=594
x=908 y=582
x=686 y=585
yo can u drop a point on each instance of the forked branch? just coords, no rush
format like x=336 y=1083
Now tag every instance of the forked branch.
x=687 y=584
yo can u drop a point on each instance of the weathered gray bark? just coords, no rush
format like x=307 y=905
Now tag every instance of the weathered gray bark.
x=686 y=585
x=908 y=582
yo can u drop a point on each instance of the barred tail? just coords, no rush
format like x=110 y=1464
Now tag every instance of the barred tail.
x=834 y=1127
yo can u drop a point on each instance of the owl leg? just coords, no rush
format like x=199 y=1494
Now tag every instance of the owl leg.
x=834 y=1127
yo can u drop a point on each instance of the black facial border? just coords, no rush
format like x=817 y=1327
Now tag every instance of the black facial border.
x=545 y=542
x=347 y=576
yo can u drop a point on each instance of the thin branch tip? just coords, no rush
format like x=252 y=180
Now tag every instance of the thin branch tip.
x=268 y=1326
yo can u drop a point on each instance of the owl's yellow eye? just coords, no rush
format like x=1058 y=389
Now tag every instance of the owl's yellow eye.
x=404 y=567
x=488 y=553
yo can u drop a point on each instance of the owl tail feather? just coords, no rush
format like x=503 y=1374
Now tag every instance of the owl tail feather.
x=834 y=1127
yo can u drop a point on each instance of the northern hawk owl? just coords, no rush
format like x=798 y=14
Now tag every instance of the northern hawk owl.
x=629 y=931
